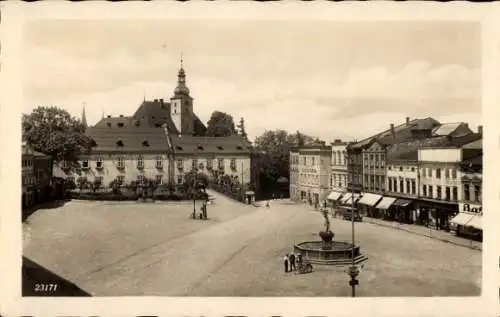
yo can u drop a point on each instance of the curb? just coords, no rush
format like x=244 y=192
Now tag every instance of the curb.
x=424 y=235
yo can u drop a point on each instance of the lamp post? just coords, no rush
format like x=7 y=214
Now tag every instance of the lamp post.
x=353 y=269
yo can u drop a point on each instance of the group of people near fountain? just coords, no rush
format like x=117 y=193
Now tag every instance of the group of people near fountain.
x=290 y=261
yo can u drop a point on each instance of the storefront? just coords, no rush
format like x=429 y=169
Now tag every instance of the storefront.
x=439 y=213
x=404 y=211
x=384 y=208
x=333 y=198
x=366 y=204
x=468 y=222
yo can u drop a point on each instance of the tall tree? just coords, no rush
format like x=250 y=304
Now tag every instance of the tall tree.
x=220 y=124
x=241 y=127
x=55 y=132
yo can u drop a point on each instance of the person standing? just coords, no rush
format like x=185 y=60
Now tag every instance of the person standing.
x=285 y=262
x=292 y=262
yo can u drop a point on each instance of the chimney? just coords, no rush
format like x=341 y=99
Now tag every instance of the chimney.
x=156 y=100
x=407 y=121
x=480 y=129
x=109 y=116
x=161 y=101
x=392 y=131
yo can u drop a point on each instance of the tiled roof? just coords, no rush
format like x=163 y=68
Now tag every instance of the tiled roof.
x=408 y=150
x=113 y=122
x=133 y=139
x=402 y=131
x=456 y=129
x=478 y=144
x=28 y=150
x=156 y=113
x=152 y=114
x=212 y=145
x=445 y=129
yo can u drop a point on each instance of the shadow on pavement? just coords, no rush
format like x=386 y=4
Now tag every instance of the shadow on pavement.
x=37 y=281
x=26 y=212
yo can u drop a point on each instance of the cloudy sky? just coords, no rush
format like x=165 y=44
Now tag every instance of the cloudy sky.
x=328 y=79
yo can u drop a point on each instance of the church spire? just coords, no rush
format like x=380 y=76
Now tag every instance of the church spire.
x=84 y=117
x=181 y=88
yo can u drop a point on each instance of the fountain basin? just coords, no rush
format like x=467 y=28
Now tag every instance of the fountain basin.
x=339 y=254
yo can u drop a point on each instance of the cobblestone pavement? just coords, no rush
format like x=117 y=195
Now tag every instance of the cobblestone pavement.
x=155 y=249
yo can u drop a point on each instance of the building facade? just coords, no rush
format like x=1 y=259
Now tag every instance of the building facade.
x=367 y=154
x=294 y=175
x=162 y=141
x=339 y=177
x=36 y=177
x=440 y=175
x=311 y=168
x=374 y=170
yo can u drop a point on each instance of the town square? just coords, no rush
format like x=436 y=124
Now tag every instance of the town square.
x=123 y=249
x=177 y=163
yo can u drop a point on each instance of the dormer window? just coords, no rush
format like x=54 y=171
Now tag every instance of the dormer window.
x=178 y=147
x=200 y=147
x=108 y=124
x=85 y=164
x=239 y=147
x=220 y=147
x=119 y=143
x=145 y=143
x=120 y=124
x=137 y=123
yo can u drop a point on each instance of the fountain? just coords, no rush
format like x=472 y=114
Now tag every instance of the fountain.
x=327 y=251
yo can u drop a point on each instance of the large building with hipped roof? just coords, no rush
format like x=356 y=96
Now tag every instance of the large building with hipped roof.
x=163 y=140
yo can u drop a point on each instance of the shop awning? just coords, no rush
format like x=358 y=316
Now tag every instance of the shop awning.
x=476 y=222
x=386 y=202
x=462 y=219
x=369 y=199
x=402 y=202
x=334 y=195
x=346 y=198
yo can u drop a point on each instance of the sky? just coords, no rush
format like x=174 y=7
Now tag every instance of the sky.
x=333 y=80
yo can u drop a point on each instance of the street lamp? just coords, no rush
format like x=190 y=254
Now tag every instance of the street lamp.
x=353 y=269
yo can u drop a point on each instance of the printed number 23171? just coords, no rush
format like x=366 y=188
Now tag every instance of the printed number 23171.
x=45 y=287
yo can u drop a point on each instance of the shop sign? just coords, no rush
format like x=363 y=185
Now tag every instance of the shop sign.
x=471 y=208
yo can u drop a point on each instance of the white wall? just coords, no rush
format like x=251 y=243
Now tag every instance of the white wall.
x=440 y=155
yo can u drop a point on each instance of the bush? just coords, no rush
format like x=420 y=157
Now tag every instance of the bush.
x=126 y=194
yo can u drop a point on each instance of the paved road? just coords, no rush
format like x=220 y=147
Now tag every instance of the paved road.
x=155 y=249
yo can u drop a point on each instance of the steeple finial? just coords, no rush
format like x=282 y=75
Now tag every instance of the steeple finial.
x=182 y=60
x=84 y=117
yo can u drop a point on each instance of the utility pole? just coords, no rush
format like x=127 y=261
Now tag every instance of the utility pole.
x=353 y=270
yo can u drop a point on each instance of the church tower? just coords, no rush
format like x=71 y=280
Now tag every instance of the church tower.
x=181 y=105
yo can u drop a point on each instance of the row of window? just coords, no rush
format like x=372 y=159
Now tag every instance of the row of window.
x=374 y=157
x=339 y=158
x=159 y=163
x=409 y=189
x=472 y=192
x=374 y=182
x=401 y=168
x=305 y=160
x=338 y=180
x=450 y=193
x=375 y=165
x=27 y=163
